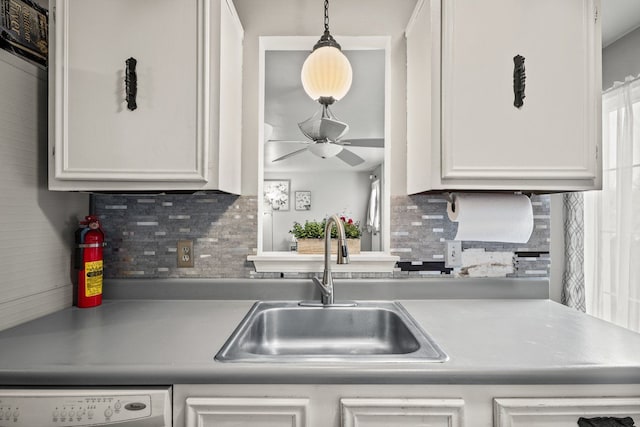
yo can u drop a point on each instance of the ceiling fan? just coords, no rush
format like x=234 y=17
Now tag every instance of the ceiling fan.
x=324 y=132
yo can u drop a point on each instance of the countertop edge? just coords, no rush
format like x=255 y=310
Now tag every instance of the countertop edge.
x=139 y=375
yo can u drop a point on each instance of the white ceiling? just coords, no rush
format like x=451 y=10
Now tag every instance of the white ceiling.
x=619 y=17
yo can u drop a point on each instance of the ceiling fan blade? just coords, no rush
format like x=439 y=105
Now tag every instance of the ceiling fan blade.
x=323 y=128
x=349 y=157
x=293 y=153
x=332 y=129
x=363 y=142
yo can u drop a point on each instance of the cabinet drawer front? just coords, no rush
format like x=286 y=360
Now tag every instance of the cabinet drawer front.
x=554 y=135
x=98 y=137
x=410 y=412
x=246 y=411
x=561 y=412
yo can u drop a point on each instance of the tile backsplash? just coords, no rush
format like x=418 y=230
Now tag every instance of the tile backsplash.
x=142 y=232
x=420 y=228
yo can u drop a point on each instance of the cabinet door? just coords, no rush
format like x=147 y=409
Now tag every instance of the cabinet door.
x=97 y=137
x=554 y=135
x=370 y=412
x=246 y=411
x=561 y=412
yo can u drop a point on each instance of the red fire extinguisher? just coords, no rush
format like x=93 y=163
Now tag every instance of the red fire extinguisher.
x=89 y=244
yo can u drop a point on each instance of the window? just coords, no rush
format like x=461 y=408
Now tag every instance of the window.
x=612 y=216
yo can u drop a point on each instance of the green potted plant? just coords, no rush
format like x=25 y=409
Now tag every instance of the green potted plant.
x=310 y=236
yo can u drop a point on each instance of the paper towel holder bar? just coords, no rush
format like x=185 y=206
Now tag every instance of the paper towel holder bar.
x=451 y=196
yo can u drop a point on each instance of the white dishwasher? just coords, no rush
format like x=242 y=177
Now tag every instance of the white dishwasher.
x=75 y=407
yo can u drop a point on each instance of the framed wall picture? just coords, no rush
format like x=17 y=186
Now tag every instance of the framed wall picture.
x=303 y=200
x=24 y=30
x=276 y=194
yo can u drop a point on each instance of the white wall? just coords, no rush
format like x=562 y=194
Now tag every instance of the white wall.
x=332 y=192
x=304 y=18
x=36 y=226
x=621 y=59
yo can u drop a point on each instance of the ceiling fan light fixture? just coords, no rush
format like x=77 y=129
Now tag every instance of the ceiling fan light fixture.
x=326 y=73
x=325 y=150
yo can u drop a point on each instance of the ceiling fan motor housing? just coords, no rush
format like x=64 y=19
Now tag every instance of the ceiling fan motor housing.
x=323 y=129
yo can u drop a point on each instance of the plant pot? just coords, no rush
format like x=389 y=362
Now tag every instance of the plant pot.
x=316 y=246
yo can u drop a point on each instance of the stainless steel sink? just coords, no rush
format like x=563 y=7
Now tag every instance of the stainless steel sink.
x=370 y=331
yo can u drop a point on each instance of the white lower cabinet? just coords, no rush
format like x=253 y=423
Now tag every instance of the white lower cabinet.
x=561 y=412
x=382 y=405
x=246 y=411
x=361 y=412
x=293 y=412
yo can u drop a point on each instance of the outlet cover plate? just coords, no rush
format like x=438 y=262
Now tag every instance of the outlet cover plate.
x=453 y=254
x=185 y=254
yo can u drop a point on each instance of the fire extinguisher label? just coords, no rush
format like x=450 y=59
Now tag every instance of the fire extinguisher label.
x=93 y=278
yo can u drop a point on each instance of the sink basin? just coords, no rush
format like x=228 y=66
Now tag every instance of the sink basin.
x=369 y=331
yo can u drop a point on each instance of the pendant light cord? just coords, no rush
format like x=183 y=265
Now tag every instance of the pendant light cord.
x=326 y=39
x=326 y=15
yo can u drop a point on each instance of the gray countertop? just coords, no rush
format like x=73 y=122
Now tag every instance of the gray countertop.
x=146 y=342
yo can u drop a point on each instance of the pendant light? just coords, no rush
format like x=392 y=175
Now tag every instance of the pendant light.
x=326 y=73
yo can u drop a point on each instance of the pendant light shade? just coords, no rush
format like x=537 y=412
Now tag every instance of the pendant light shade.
x=326 y=73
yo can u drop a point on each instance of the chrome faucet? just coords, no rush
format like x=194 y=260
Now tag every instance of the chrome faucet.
x=326 y=285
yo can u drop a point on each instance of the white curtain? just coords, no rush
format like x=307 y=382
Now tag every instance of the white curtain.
x=612 y=216
x=573 y=277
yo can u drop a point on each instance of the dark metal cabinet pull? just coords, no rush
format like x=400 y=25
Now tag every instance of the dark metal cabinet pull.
x=131 y=83
x=606 y=422
x=518 y=80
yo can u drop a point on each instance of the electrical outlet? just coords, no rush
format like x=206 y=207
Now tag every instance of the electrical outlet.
x=453 y=254
x=185 y=253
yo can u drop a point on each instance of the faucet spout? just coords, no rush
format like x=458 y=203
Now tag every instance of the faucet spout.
x=342 y=257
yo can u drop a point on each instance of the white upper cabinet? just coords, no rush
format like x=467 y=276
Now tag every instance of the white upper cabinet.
x=463 y=129
x=185 y=130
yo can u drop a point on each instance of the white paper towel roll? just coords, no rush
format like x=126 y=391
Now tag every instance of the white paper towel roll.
x=492 y=217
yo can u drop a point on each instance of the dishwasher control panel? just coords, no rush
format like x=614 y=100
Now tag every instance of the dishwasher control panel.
x=84 y=407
